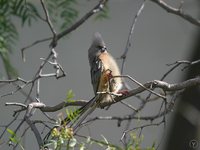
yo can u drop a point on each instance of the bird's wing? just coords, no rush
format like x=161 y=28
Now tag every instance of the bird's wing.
x=85 y=111
x=81 y=114
x=96 y=75
x=96 y=72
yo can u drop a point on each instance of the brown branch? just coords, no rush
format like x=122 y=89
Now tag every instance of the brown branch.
x=31 y=45
x=35 y=131
x=48 y=21
x=45 y=108
x=168 y=109
x=140 y=127
x=107 y=144
x=130 y=117
x=177 y=11
x=152 y=84
x=177 y=86
x=93 y=11
x=62 y=105
x=128 y=44
x=185 y=62
x=155 y=84
x=48 y=18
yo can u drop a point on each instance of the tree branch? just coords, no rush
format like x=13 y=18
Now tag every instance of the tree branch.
x=48 y=18
x=177 y=11
x=55 y=39
x=35 y=131
x=156 y=84
x=128 y=44
x=152 y=84
x=93 y=11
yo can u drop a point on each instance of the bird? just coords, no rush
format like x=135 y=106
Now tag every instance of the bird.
x=105 y=77
x=104 y=71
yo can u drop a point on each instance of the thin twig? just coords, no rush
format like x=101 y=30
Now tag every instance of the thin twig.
x=129 y=106
x=8 y=125
x=169 y=71
x=177 y=11
x=93 y=11
x=142 y=87
x=140 y=127
x=140 y=84
x=100 y=142
x=31 y=45
x=15 y=104
x=128 y=44
x=48 y=20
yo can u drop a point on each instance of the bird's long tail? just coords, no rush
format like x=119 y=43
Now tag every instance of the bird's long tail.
x=83 y=112
x=79 y=114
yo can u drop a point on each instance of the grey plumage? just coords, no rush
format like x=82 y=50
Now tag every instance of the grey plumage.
x=102 y=64
x=100 y=60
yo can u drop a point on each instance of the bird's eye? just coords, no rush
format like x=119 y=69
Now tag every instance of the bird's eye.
x=102 y=48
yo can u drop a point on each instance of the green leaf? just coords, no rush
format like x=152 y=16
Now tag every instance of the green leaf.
x=70 y=114
x=21 y=9
x=62 y=12
x=69 y=96
x=10 y=70
x=12 y=133
x=24 y=10
x=13 y=137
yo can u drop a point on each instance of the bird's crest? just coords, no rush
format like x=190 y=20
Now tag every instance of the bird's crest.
x=98 y=40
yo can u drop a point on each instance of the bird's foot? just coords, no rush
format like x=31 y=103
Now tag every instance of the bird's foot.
x=123 y=92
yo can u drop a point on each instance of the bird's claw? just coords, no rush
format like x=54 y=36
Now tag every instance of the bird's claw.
x=123 y=92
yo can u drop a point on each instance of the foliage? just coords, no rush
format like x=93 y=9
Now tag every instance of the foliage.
x=73 y=112
x=13 y=138
x=4 y=47
x=70 y=95
x=63 y=12
x=26 y=12
x=64 y=138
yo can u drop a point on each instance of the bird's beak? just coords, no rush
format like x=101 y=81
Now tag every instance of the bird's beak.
x=103 y=49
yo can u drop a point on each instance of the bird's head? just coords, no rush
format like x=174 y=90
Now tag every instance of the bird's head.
x=98 y=46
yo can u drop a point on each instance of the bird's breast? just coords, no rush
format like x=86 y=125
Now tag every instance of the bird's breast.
x=110 y=69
